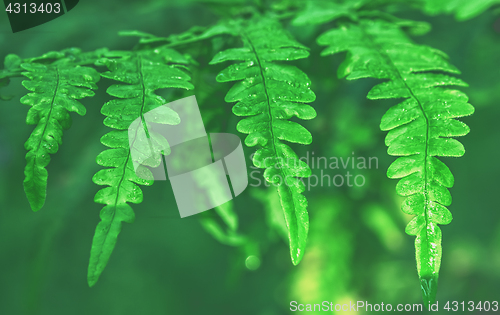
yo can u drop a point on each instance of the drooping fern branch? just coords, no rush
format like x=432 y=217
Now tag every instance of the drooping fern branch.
x=420 y=128
x=270 y=93
x=192 y=35
x=55 y=90
x=140 y=74
x=462 y=9
x=57 y=82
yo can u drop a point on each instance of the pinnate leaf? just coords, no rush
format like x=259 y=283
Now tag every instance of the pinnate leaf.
x=139 y=74
x=420 y=128
x=54 y=93
x=268 y=93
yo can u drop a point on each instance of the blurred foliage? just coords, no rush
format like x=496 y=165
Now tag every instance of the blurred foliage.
x=356 y=250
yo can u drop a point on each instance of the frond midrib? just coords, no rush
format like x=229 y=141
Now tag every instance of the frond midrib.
x=282 y=169
x=389 y=61
x=50 y=112
x=34 y=171
x=122 y=178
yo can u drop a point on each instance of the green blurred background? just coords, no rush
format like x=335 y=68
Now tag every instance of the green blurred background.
x=357 y=248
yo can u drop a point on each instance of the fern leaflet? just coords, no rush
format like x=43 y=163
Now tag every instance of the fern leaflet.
x=140 y=74
x=271 y=93
x=194 y=34
x=56 y=89
x=420 y=127
x=12 y=65
x=463 y=9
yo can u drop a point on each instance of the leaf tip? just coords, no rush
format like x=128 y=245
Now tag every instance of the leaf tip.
x=296 y=256
x=35 y=200
x=91 y=280
x=429 y=289
x=93 y=275
x=36 y=207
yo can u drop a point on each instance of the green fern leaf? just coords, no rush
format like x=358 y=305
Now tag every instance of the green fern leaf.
x=274 y=215
x=271 y=93
x=320 y=12
x=12 y=67
x=224 y=233
x=462 y=9
x=55 y=91
x=194 y=34
x=420 y=128
x=140 y=75
x=11 y=62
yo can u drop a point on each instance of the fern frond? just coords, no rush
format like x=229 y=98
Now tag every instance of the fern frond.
x=420 y=128
x=56 y=89
x=11 y=68
x=462 y=9
x=271 y=93
x=320 y=12
x=274 y=215
x=140 y=74
x=227 y=235
x=194 y=34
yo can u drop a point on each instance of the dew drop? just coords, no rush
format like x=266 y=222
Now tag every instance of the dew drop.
x=252 y=262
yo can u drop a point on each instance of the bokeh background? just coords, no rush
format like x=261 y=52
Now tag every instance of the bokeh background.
x=162 y=264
